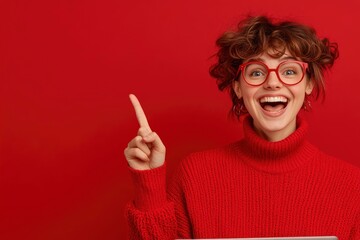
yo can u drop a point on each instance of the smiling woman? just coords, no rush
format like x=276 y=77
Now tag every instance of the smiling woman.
x=271 y=183
x=286 y=40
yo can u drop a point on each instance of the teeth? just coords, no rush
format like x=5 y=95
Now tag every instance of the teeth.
x=273 y=99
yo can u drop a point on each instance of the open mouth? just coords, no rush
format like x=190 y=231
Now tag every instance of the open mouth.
x=273 y=104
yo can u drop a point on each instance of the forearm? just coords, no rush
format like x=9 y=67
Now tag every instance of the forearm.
x=156 y=224
x=150 y=215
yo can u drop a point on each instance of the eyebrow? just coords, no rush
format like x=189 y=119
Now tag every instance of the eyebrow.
x=262 y=60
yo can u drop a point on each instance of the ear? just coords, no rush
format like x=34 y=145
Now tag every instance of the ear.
x=237 y=89
x=309 y=87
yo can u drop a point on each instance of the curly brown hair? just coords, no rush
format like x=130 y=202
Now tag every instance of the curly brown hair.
x=257 y=34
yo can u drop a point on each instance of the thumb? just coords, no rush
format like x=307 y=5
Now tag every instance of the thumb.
x=154 y=139
x=158 y=150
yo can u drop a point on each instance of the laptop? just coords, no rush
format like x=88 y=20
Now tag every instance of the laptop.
x=274 y=238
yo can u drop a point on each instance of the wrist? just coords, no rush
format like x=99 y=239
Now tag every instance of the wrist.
x=150 y=187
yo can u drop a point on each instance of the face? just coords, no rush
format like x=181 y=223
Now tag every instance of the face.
x=273 y=105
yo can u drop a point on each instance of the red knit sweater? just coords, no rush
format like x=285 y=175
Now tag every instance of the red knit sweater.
x=251 y=188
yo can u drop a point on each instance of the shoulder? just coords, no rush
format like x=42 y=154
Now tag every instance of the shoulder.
x=343 y=174
x=339 y=165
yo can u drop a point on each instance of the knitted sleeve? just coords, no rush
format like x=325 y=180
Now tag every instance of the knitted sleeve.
x=155 y=224
x=153 y=214
x=150 y=215
x=355 y=232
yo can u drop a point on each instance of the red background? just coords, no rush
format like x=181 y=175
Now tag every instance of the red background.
x=67 y=68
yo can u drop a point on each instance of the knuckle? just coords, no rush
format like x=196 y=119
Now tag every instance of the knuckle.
x=138 y=139
x=135 y=141
x=143 y=131
x=139 y=130
x=138 y=153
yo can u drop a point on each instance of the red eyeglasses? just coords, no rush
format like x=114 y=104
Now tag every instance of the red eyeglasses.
x=288 y=72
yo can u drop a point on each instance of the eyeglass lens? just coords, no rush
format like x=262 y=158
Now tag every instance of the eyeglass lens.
x=288 y=72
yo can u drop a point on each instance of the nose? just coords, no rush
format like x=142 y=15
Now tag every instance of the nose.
x=272 y=81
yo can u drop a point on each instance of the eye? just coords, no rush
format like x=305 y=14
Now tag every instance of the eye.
x=290 y=69
x=256 y=73
x=289 y=72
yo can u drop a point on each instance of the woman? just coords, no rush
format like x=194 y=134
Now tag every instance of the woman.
x=273 y=182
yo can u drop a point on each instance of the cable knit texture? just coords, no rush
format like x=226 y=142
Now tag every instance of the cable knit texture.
x=251 y=188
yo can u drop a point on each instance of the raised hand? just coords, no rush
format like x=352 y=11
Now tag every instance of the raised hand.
x=145 y=151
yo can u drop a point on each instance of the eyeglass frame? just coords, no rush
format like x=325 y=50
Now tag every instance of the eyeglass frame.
x=241 y=68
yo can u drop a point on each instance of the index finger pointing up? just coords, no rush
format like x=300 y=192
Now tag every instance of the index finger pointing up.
x=140 y=115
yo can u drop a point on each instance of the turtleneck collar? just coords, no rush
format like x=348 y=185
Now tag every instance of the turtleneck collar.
x=276 y=157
